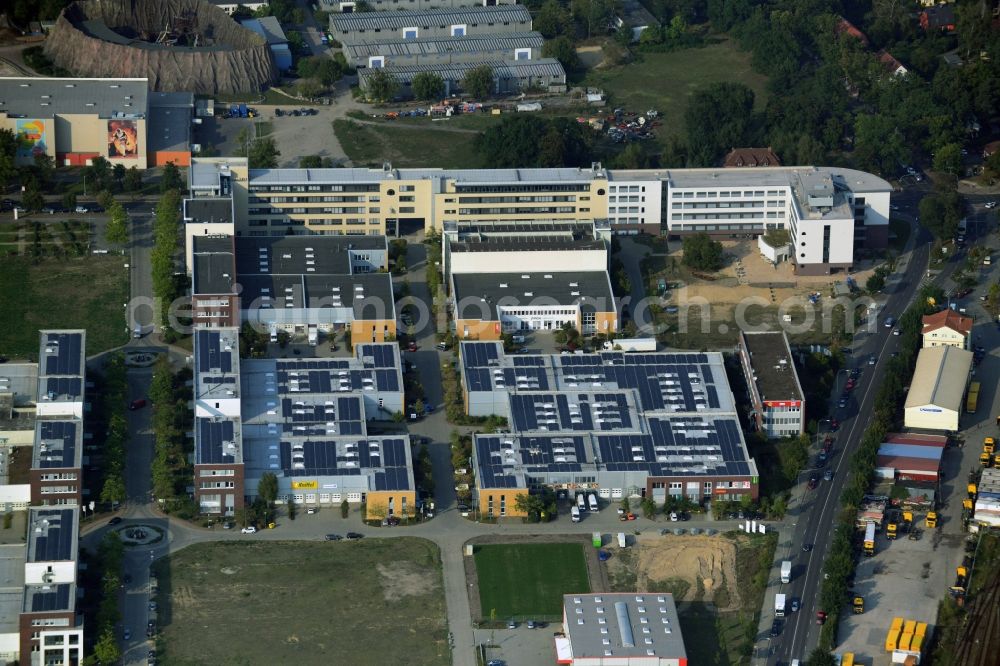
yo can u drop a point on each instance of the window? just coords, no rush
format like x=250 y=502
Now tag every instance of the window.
x=411 y=33
x=522 y=54
x=376 y=62
x=458 y=31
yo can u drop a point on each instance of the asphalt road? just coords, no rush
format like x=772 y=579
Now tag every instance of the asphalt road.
x=817 y=513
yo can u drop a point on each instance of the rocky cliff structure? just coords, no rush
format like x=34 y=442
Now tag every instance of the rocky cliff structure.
x=179 y=45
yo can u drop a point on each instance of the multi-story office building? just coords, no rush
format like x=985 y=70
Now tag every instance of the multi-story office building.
x=779 y=406
x=828 y=211
x=614 y=424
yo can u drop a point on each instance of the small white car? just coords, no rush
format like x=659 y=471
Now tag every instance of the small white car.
x=249 y=530
x=991 y=204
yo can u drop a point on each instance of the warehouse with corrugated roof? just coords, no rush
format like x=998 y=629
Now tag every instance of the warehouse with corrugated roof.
x=937 y=391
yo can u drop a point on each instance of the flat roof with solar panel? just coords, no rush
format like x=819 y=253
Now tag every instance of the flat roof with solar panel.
x=58 y=444
x=52 y=534
x=217 y=363
x=49 y=598
x=612 y=419
x=305 y=420
x=61 y=365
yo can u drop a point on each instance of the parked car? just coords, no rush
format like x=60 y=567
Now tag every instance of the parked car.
x=115 y=520
x=834 y=425
x=806 y=547
x=279 y=113
x=127 y=634
x=828 y=475
x=872 y=360
x=776 y=628
x=813 y=482
x=412 y=346
x=991 y=204
x=311 y=510
x=250 y=529
x=354 y=536
x=890 y=322
x=333 y=537
x=511 y=624
x=137 y=404
x=820 y=617
x=795 y=605
x=82 y=209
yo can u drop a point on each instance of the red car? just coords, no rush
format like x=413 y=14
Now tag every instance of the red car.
x=834 y=425
x=627 y=516
x=137 y=404
x=820 y=617
x=412 y=346
x=850 y=384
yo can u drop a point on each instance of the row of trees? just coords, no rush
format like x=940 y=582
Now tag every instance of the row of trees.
x=519 y=141
x=382 y=86
x=171 y=471
x=114 y=395
x=110 y=557
x=167 y=286
x=840 y=562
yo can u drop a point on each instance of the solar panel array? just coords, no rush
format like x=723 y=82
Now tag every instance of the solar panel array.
x=56 y=444
x=502 y=458
x=57 y=387
x=55 y=541
x=216 y=442
x=335 y=377
x=329 y=416
x=339 y=458
x=571 y=411
x=48 y=598
x=63 y=353
x=379 y=356
x=212 y=354
x=675 y=447
x=480 y=354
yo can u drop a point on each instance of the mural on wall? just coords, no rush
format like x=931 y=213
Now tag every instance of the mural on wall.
x=123 y=139
x=31 y=138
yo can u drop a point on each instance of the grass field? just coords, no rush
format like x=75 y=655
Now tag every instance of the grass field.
x=377 y=601
x=407 y=145
x=665 y=81
x=74 y=292
x=519 y=580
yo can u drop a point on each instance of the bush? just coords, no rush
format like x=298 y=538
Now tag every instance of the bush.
x=702 y=253
x=345 y=509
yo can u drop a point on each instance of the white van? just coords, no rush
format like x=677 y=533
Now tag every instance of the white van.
x=274 y=335
x=592 y=502
x=581 y=502
x=575 y=513
x=137 y=332
x=622 y=543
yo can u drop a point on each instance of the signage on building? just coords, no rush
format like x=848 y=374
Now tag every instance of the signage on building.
x=305 y=485
x=782 y=403
x=932 y=410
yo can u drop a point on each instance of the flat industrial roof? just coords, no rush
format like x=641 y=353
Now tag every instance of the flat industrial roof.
x=525 y=243
x=939 y=378
x=287 y=255
x=49 y=598
x=18 y=391
x=169 y=129
x=217 y=363
x=52 y=534
x=443 y=46
x=773 y=366
x=203 y=210
x=472 y=16
x=366 y=296
x=12 y=558
x=477 y=296
x=43 y=97
x=502 y=69
x=58 y=444
x=214 y=270
x=621 y=626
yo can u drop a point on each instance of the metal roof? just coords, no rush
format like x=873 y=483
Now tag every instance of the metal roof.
x=484 y=44
x=473 y=16
x=477 y=296
x=41 y=97
x=772 y=365
x=502 y=69
x=267 y=27
x=643 y=626
x=940 y=378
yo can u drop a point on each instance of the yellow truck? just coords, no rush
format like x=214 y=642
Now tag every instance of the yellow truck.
x=892 y=640
x=931 y=520
x=972 y=398
x=989 y=444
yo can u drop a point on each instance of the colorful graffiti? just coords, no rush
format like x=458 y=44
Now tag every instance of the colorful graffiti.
x=31 y=137
x=123 y=139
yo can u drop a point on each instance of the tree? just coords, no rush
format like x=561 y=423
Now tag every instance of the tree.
x=69 y=201
x=949 y=159
x=345 y=509
x=552 y=19
x=380 y=86
x=648 y=508
x=118 y=174
x=878 y=143
x=593 y=15
x=8 y=151
x=941 y=212
x=310 y=162
x=267 y=487
x=626 y=507
x=106 y=648
x=33 y=200
x=718 y=117
x=428 y=86
x=309 y=88
x=171 y=179
x=116 y=231
x=515 y=142
x=133 y=180
x=562 y=49
x=702 y=253
x=327 y=71
x=263 y=154
x=113 y=490
x=821 y=657
x=478 y=81
x=418 y=407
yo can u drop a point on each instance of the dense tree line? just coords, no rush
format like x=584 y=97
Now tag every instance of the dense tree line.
x=167 y=286
x=533 y=141
x=171 y=471
x=114 y=394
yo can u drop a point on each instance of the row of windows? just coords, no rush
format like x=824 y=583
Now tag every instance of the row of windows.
x=626 y=209
x=554 y=187
x=329 y=198
x=629 y=199
x=725 y=194
x=627 y=188
x=519 y=312
x=354 y=187
x=543 y=198
x=519 y=211
x=694 y=205
x=718 y=216
x=407 y=30
x=66 y=476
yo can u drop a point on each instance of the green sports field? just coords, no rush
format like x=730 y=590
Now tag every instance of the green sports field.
x=524 y=580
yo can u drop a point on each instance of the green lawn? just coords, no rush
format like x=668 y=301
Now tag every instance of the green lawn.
x=529 y=579
x=407 y=145
x=665 y=81
x=376 y=601
x=71 y=292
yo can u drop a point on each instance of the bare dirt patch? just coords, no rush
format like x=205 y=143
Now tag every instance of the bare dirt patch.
x=405 y=580
x=695 y=568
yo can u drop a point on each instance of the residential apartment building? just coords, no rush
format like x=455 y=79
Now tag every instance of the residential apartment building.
x=779 y=406
x=828 y=211
x=305 y=420
x=615 y=424
x=947 y=328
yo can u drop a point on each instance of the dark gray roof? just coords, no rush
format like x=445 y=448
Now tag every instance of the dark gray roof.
x=209 y=209
x=37 y=97
x=502 y=69
x=296 y=255
x=592 y=290
x=773 y=366
x=268 y=28
x=482 y=44
x=528 y=243
x=52 y=534
x=169 y=129
x=370 y=21
x=58 y=444
x=565 y=228
x=61 y=368
x=374 y=299
x=173 y=100
x=217 y=440
x=214 y=270
x=216 y=351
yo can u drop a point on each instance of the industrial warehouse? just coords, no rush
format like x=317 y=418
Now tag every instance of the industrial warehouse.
x=617 y=424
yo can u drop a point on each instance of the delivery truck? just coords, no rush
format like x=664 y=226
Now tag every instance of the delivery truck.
x=786 y=571
x=622 y=543
x=870 y=539
x=779 y=605
x=581 y=502
x=597 y=540
x=592 y=502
